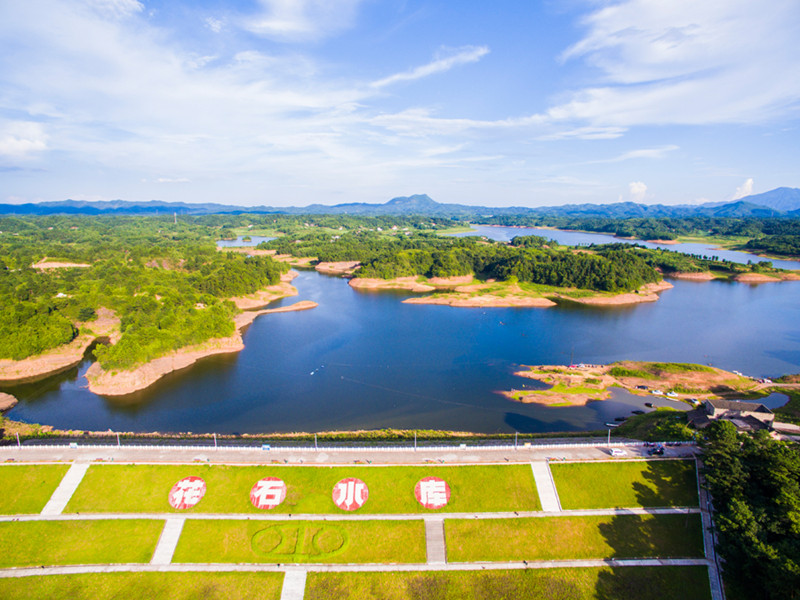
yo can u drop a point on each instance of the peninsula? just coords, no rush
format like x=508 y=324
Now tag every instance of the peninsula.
x=576 y=385
x=122 y=382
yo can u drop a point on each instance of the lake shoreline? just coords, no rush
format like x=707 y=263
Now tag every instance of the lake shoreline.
x=465 y=292
x=123 y=383
x=63 y=358
x=576 y=385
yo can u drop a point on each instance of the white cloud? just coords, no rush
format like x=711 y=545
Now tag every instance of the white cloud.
x=585 y=133
x=116 y=9
x=301 y=20
x=637 y=191
x=465 y=55
x=746 y=189
x=684 y=62
x=172 y=180
x=21 y=139
x=214 y=25
x=651 y=153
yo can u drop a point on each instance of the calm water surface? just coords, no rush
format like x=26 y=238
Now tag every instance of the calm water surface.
x=255 y=240
x=365 y=360
x=579 y=238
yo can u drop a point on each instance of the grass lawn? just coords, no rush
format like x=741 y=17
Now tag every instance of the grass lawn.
x=78 y=542
x=27 y=488
x=628 y=536
x=144 y=488
x=629 y=583
x=153 y=586
x=626 y=484
x=301 y=542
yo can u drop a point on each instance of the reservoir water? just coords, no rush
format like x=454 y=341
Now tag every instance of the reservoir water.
x=366 y=360
x=580 y=238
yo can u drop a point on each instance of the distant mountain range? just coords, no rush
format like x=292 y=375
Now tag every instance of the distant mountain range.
x=780 y=202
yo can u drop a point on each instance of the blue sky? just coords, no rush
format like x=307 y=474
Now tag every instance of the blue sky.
x=292 y=102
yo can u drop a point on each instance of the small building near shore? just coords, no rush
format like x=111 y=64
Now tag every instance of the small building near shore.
x=747 y=416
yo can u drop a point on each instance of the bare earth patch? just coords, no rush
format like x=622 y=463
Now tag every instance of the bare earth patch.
x=646 y=293
x=286 y=258
x=577 y=385
x=45 y=265
x=346 y=267
x=409 y=284
x=7 y=402
x=762 y=278
x=466 y=301
x=249 y=250
x=704 y=276
x=268 y=294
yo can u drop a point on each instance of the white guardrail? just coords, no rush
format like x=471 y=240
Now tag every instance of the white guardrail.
x=321 y=448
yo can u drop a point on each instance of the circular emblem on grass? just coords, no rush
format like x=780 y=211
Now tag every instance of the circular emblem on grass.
x=288 y=542
x=432 y=492
x=187 y=492
x=350 y=494
x=268 y=493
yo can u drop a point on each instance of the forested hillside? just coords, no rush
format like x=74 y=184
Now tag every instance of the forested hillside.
x=755 y=484
x=165 y=280
x=169 y=286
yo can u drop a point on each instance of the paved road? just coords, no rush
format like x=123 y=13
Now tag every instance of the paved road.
x=433 y=455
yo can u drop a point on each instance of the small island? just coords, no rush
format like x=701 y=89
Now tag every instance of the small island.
x=575 y=385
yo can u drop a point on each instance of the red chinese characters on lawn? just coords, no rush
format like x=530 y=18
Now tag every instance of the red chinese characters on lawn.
x=432 y=492
x=350 y=494
x=268 y=493
x=187 y=492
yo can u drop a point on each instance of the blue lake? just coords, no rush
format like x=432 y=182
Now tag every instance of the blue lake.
x=579 y=238
x=366 y=360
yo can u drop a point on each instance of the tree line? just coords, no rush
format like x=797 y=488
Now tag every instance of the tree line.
x=780 y=236
x=164 y=279
x=754 y=481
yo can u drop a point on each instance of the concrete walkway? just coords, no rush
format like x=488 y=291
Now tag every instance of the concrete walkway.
x=545 y=486
x=709 y=542
x=350 y=568
x=168 y=541
x=589 y=512
x=60 y=498
x=294 y=584
x=434 y=540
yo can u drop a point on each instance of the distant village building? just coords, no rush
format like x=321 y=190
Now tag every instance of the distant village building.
x=747 y=416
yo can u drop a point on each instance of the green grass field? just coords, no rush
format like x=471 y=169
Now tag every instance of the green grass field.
x=27 y=488
x=301 y=542
x=626 y=484
x=152 y=586
x=144 y=488
x=628 y=536
x=78 y=542
x=629 y=583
